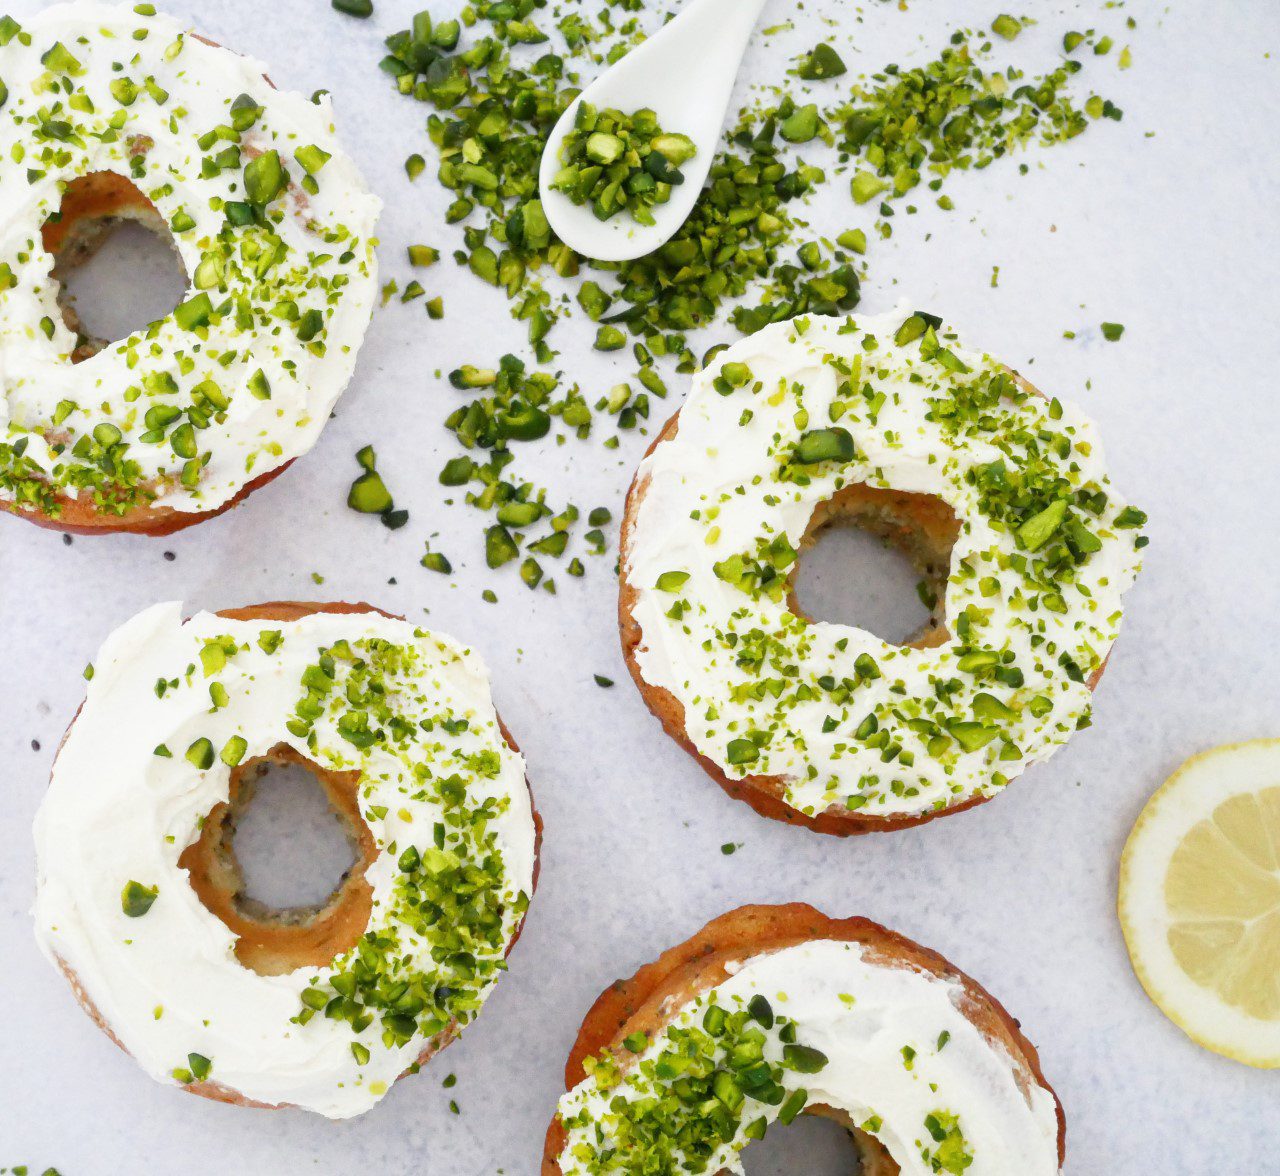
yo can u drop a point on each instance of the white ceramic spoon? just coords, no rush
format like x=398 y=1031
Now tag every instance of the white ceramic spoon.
x=685 y=73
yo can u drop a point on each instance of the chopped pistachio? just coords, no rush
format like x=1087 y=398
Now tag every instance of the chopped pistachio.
x=437 y=561
x=835 y=444
x=423 y=255
x=1006 y=26
x=200 y=753
x=136 y=899
x=620 y=161
x=821 y=62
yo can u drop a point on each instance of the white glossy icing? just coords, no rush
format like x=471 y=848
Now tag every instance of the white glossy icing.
x=862 y=1015
x=64 y=120
x=117 y=812
x=742 y=665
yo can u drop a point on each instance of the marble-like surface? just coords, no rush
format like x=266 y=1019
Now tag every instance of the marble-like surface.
x=1165 y=222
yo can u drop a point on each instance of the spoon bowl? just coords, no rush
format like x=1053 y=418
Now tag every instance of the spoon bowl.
x=685 y=73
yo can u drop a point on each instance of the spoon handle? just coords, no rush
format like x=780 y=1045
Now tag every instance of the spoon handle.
x=709 y=37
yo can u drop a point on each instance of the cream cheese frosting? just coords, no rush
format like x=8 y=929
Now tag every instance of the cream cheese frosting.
x=889 y=1046
x=273 y=223
x=170 y=708
x=772 y=429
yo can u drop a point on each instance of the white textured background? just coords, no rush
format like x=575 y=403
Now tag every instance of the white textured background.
x=1166 y=222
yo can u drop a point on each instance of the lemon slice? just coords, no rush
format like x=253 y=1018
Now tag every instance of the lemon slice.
x=1200 y=900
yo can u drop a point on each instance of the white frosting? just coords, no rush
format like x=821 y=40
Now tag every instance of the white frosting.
x=862 y=1015
x=723 y=488
x=116 y=812
x=327 y=266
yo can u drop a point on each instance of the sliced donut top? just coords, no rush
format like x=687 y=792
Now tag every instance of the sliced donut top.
x=173 y=712
x=273 y=224
x=777 y=427
x=888 y=1048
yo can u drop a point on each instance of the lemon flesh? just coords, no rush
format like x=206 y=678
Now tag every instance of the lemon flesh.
x=1200 y=900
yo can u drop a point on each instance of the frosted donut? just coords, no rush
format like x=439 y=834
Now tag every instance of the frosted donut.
x=109 y=114
x=139 y=894
x=771 y=1012
x=999 y=495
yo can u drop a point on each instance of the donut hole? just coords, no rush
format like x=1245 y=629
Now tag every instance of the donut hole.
x=266 y=860
x=117 y=266
x=879 y=560
x=818 y=1143
x=289 y=842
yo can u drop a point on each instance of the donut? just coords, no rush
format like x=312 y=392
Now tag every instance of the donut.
x=998 y=495
x=770 y=1012
x=111 y=114
x=140 y=898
